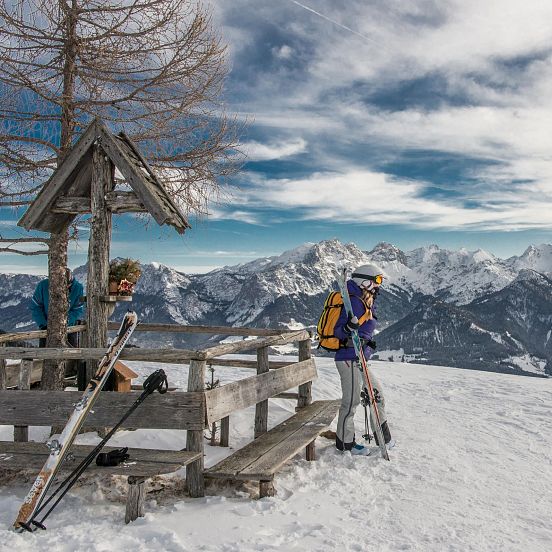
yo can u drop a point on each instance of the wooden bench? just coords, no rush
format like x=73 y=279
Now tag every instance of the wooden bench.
x=263 y=457
x=183 y=411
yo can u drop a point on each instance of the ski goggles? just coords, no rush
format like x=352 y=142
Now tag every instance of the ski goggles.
x=378 y=279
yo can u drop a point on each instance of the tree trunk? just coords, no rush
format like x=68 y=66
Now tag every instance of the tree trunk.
x=54 y=371
x=69 y=72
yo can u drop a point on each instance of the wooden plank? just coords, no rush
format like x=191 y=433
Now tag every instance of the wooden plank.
x=217 y=330
x=252 y=364
x=173 y=356
x=50 y=408
x=58 y=181
x=147 y=193
x=249 y=344
x=71 y=205
x=36 y=334
x=116 y=202
x=142 y=462
x=293 y=396
x=21 y=432
x=152 y=455
x=228 y=398
x=124 y=202
x=314 y=418
x=293 y=444
x=179 y=219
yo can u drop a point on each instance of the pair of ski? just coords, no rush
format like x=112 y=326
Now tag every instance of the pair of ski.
x=59 y=447
x=363 y=366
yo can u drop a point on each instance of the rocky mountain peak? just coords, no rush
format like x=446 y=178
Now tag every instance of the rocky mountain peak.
x=386 y=252
x=530 y=275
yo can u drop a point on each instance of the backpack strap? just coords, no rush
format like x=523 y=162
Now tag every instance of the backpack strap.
x=367 y=312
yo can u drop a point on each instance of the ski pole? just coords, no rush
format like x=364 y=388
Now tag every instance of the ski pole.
x=157 y=381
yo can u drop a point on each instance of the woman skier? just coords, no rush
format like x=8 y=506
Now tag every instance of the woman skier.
x=363 y=288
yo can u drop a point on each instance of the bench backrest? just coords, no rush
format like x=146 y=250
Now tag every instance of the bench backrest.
x=173 y=410
x=222 y=401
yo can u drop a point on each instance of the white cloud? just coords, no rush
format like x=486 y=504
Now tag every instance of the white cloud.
x=371 y=198
x=283 y=52
x=255 y=151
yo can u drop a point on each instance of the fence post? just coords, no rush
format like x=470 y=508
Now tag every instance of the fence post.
x=21 y=433
x=3 y=375
x=261 y=410
x=225 y=431
x=194 y=439
x=305 y=390
x=305 y=393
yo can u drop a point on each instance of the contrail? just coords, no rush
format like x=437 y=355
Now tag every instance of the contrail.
x=334 y=22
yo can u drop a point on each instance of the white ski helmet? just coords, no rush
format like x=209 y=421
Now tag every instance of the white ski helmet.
x=368 y=276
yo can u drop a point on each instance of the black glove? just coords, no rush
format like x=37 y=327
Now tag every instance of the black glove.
x=352 y=324
x=370 y=342
x=113 y=457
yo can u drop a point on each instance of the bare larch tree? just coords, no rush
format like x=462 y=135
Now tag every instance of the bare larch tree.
x=153 y=68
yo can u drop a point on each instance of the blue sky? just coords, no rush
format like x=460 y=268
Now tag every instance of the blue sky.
x=408 y=122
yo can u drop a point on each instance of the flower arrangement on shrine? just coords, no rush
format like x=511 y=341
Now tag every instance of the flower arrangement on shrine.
x=123 y=276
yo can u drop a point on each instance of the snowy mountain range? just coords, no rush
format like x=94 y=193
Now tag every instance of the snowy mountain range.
x=457 y=308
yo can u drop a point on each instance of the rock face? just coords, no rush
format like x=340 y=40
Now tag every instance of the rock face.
x=460 y=308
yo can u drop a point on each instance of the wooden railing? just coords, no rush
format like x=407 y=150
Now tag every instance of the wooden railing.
x=273 y=379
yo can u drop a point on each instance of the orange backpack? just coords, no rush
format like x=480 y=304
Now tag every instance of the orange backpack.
x=328 y=319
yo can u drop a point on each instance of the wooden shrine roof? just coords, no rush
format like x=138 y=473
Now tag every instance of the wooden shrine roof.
x=73 y=180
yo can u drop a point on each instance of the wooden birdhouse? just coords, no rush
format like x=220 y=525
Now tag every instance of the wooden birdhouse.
x=123 y=377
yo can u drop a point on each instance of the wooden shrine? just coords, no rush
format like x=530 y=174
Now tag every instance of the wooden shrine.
x=85 y=183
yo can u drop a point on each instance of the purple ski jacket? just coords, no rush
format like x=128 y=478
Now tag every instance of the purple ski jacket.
x=365 y=331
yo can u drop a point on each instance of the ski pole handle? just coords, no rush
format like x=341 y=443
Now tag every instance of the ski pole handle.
x=156 y=381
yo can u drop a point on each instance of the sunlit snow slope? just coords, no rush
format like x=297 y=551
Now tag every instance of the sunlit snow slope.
x=471 y=472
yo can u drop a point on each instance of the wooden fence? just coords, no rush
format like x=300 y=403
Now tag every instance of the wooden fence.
x=273 y=379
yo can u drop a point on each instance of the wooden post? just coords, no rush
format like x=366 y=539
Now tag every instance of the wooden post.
x=225 y=431
x=21 y=433
x=3 y=375
x=194 y=439
x=97 y=312
x=305 y=390
x=135 y=498
x=310 y=452
x=261 y=410
x=266 y=488
x=305 y=394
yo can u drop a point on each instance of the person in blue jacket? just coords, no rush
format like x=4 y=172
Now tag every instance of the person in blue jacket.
x=363 y=288
x=39 y=306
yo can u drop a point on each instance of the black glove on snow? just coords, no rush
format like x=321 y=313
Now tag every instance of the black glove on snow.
x=113 y=457
x=352 y=324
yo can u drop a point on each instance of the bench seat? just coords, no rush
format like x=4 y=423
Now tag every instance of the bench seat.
x=141 y=465
x=263 y=457
x=142 y=462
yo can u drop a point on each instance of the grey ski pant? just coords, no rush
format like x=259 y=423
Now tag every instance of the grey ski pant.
x=352 y=382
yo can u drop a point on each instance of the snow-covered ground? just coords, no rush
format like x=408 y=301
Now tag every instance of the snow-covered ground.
x=472 y=471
